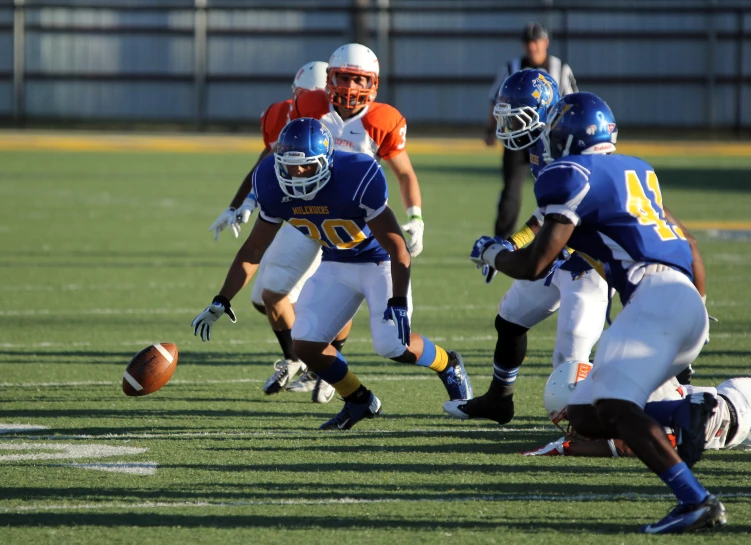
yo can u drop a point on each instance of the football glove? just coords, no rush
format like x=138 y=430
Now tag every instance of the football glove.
x=204 y=321
x=556 y=448
x=396 y=311
x=245 y=210
x=415 y=228
x=228 y=218
x=487 y=248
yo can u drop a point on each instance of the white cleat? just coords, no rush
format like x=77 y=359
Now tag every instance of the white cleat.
x=454 y=408
x=284 y=372
x=305 y=383
x=323 y=392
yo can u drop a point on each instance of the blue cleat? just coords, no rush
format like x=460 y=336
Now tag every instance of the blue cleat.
x=352 y=413
x=707 y=515
x=455 y=378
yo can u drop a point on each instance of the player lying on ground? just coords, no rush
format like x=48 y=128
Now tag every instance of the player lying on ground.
x=338 y=199
x=610 y=207
x=728 y=428
x=575 y=290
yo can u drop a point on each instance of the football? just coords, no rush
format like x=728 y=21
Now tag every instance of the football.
x=150 y=369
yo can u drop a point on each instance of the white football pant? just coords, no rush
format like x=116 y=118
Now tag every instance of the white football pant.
x=660 y=331
x=288 y=262
x=332 y=296
x=582 y=302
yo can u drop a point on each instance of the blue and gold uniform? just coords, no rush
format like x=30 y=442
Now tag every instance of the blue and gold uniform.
x=336 y=216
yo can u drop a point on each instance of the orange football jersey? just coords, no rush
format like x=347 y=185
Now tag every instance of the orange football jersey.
x=273 y=120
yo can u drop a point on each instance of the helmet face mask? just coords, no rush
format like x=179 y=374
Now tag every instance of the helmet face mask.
x=303 y=142
x=517 y=128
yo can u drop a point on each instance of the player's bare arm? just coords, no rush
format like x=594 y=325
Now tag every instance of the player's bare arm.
x=409 y=188
x=700 y=273
x=533 y=261
x=386 y=230
x=248 y=257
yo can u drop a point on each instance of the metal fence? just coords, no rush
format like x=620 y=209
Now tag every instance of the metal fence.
x=678 y=63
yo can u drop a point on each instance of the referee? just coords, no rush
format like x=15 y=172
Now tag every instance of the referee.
x=516 y=162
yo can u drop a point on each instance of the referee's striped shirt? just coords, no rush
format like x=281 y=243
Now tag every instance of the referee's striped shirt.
x=560 y=71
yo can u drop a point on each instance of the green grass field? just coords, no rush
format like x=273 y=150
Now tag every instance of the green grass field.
x=105 y=253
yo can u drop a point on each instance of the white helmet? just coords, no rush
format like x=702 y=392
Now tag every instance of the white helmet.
x=358 y=60
x=738 y=391
x=558 y=389
x=311 y=76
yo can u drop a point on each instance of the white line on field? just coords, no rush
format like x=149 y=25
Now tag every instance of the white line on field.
x=344 y=501
x=285 y=433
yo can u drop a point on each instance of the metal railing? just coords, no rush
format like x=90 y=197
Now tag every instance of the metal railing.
x=374 y=22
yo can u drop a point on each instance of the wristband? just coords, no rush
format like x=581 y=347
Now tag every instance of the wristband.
x=222 y=300
x=522 y=237
x=414 y=212
x=397 y=302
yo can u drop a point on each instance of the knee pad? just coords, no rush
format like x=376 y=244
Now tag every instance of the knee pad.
x=259 y=308
x=509 y=329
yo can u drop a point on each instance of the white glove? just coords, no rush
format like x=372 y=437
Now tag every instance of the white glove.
x=556 y=448
x=228 y=218
x=415 y=228
x=245 y=210
x=220 y=305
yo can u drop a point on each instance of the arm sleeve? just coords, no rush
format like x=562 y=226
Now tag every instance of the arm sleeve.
x=561 y=188
x=395 y=141
x=374 y=192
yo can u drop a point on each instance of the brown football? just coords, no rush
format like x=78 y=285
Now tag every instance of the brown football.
x=150 y=369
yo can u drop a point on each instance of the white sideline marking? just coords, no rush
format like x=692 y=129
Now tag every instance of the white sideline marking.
x=132 y=468
x=345 y=501
x=285 y=433
x=133 y=382
x=164 y=352
x=65 y=451
x=18 y=428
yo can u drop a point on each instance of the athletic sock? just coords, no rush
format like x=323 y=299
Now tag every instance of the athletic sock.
x=433 y=356
x=344 y=381
x=285 y=341
x=684 y=484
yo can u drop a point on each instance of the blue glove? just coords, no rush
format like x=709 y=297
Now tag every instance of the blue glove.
x=396 y=311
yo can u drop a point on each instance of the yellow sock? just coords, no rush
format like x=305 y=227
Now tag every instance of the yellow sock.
x=441 y=360
x=348 y=385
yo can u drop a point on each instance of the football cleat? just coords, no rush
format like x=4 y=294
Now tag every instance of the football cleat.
x=500 y=410
x=323 y=392
x=707 y=515
x=691 y=440
x=305 y=383
x=352 y=413
x=455 y=378
x=284 y=371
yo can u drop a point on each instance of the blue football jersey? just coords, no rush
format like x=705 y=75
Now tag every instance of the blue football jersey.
x=577 y=264
x=336 y=217
x=616 y=204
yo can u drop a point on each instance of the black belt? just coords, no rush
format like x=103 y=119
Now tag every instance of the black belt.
x=733 y=427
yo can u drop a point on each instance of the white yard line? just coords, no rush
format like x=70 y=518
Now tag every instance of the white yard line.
x=344 y=501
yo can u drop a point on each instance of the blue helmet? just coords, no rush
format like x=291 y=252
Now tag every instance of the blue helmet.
x=580 y=124
x=521 y=109
x=304 y=141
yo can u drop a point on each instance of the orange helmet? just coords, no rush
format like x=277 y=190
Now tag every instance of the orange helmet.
x=357 y=60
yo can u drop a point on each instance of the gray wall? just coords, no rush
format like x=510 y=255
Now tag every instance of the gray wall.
x=78 y=65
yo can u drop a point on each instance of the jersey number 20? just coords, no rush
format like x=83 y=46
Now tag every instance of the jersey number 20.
x=647 y=211
x=333 y=229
